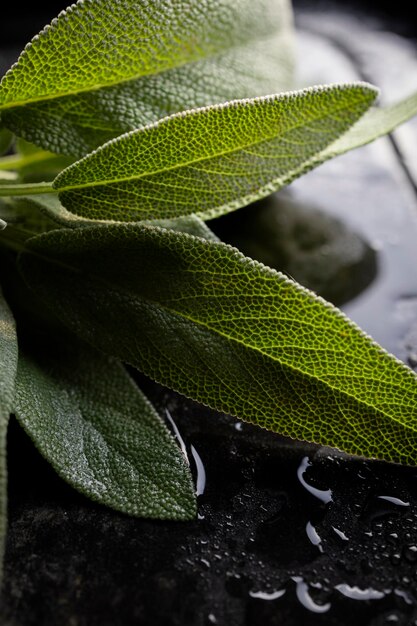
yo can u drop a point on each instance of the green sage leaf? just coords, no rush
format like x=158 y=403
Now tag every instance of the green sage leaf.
x=210 y=160
x=200 y=317
x=49 y=207
x=44 y=212
x=8 y=364
x=375 y=123
x=104 y=68
x=190 y=224
x=100 y=433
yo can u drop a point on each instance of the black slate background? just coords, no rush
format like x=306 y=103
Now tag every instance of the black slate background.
x=71 y=562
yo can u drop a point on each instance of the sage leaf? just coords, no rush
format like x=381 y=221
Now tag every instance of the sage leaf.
x=203 y=319
x=48 y=206
x=100 y=433
x=210 y=160
x=190 y=224
x=375 y=123
x=101 y=69
x=8 y=364
x=44 y=212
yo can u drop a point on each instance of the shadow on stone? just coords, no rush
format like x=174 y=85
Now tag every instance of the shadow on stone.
x=312 y=247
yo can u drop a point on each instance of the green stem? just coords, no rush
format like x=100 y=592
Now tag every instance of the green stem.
x=17 y=161
x=26 y=189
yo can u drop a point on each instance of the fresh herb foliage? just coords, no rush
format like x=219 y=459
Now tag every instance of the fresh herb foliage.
x=8 y=364
x=107 y=259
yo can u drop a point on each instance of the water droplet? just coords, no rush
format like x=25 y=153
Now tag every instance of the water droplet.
x=316 y=585
x=313 y=536
x=340 y=533
x=404 y=595
x=305 y=599
x=355 y=593
x=323 y=495
x=177 y=435
x=264 y=595
x=205 y=562
x=239 y=426
x=410 y=553
x=3 y=224
x=201 y=472
x=212 y=619
x=393 y=500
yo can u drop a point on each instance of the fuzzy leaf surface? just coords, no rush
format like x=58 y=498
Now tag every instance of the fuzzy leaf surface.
x=229 y=332
x=377 y=122
x=103 y=68
x=8 y=365
x=100 y=433
x=44 y=212
x=213 y=159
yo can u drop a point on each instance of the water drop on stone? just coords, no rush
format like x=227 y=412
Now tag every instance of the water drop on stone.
x=404 y=595
x=340 y=534
x=305 y=599
x=394 y=500
x=201 y=472
x=410 y=553
x=313 y=536
x=356 y=593
x=263 y=595
x=325 y=495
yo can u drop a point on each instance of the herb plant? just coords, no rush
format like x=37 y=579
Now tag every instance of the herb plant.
x=141 y=121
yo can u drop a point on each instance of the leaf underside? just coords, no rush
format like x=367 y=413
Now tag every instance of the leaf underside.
x=8 y=364
x=100 y=433
x=214 y=325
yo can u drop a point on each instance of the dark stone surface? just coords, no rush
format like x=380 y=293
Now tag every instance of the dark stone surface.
x=71 y=562
x=261 y=530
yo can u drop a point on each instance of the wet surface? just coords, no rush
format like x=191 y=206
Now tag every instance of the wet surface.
x=287 y=533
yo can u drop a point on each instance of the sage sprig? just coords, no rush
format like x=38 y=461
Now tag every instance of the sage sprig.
x=145 y=120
